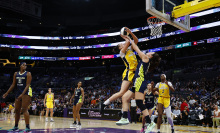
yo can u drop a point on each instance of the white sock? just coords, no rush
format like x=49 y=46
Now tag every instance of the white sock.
x=107 y=102
x=158 y=130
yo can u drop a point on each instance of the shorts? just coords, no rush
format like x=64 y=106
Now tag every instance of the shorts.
x=49 y=105
x=149 y=106
x=140 y=85
x=76 y=101
x=132 y=89
x=165 y=101
x=128 y=75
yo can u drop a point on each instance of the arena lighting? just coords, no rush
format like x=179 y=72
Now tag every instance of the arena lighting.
x=177 y=46
x=110 y=44
x=211 y=11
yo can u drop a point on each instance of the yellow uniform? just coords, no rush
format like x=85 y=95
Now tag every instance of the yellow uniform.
x=130 y=62
x=10 y=107
x=49 y=100
x=164 y=93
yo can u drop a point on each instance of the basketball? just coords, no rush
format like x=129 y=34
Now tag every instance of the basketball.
x=124 y=32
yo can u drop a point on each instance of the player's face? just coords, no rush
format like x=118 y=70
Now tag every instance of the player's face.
x=80 y=84
x=149 y=86
x=162 y=77
x=49 y=90
x=24 y=66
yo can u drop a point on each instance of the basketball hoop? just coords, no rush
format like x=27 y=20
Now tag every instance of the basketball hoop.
x=155 y=24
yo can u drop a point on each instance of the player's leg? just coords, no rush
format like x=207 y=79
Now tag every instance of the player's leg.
x=78 y=107
x=26 y=100
x=168 y=112
x=160 y=113
x=124 y=87
x=51 y=114
x=47 y=111
x=125 y=104
x=74 y=114
x=18 y=104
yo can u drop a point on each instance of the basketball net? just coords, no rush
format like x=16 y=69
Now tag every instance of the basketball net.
x=155 y=24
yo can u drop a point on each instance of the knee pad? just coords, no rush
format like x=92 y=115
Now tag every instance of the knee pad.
x=141 y=105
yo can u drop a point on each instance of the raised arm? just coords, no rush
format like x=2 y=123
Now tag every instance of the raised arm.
x=12 y=86
x=170 y=86
x=28 y=83
x=133 y=36
x=126 y=45
x=141 y=54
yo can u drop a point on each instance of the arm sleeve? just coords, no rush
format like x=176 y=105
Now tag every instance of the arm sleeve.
x=170 y=84
x=157 y=85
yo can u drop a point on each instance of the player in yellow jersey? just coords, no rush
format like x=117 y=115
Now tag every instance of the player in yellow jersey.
x=50 y=103
x=164 y=88
x=129 y=58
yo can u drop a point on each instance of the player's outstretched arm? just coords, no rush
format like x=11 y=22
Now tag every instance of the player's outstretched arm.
x=133 y=35
x=140 y=53
x=12 y=86
x=126 y=45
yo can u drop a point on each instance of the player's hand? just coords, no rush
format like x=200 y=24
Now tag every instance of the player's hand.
x=19 y=97
x=5 y=95
x=152 y=84
x=128 y=30
x=125 y=37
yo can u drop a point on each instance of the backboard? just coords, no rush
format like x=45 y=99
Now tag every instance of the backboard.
x=162 y=9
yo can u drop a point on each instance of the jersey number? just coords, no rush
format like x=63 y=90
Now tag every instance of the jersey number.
x=163 y=91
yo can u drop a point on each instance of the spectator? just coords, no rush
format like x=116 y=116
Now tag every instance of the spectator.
x=184 y=116
x=216 y=117
x=207 y=116
x=192 y=101
x=176 y=114
x=183 y=105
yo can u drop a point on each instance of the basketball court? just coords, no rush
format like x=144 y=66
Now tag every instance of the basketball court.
x=63 y=125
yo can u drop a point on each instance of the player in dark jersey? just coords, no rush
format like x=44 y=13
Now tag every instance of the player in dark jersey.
x=21 y=81
x=149 y=102
x=78 y=101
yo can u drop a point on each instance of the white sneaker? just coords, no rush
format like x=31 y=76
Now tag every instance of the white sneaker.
x=51 y=120
x=46 y=120
x=150 y=127
x=122 y=121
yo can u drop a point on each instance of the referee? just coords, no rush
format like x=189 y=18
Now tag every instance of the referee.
x=133 y=111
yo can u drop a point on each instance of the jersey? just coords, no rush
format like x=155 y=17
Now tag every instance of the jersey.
x=149 y=98
x=140 y=81
x=129 y=59
x=164 y=90
x=78 y=93
x=50 y=97
x=21 y=80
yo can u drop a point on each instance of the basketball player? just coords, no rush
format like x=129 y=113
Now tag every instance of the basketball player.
x=148 y=63
x=164 y=88
x=23 y=93
x=130 y=61
x=49 y=97
x=78 y=101
x=149 y=103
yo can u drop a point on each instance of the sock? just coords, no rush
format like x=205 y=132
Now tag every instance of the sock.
x=27 y=126
x=74 y=121
x=158 y=130
x=16 y=125
x=172 y=127
x=125 y=114
x=107 y=102
x=147 y=119
x=142 y=126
